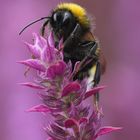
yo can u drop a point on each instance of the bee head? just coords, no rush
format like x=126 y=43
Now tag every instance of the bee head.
x=62 y=23
x=66 y=16
x=64 y=19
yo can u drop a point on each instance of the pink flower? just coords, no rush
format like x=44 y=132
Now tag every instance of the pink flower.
x=61 y=95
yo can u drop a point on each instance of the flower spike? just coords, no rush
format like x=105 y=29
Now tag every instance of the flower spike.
x=62 y=95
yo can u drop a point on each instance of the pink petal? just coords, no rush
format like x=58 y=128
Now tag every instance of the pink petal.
x=60 y=67
x=70 y=123
x=35 y=64
x=44 y=54
x=50 y=72
x=38 y=46
x=39 y=42
x=51 y=40
x=50 y=52
x=43 y=41
x=39 y=108
x=93 y=91
x=50 y=139
x=83 y=120
x=32 y=85
x=35 y=51
x=56 y=69
x=106 y=129
x=70 y=88
x=76 y=68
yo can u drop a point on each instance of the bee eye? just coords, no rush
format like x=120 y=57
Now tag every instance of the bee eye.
x=57 y=16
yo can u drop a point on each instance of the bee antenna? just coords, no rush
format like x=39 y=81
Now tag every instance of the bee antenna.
x=32 y=24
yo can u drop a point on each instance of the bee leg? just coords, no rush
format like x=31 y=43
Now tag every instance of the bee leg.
x=43 y=28
x=74 y=37
x=76 y=32
x=96 y=82
x=92 y=59
x=70 y=44
x=91 y=56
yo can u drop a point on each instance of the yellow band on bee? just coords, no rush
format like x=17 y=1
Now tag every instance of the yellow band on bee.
x=79 y=12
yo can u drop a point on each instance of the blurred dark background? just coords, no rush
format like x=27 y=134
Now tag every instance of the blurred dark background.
x=118 y=29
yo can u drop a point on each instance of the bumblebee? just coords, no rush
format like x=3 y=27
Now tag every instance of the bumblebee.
x=70 y=22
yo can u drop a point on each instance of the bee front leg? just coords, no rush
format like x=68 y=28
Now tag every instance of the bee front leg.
x=74 y=37
x=43 y=28
x=71 y=43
